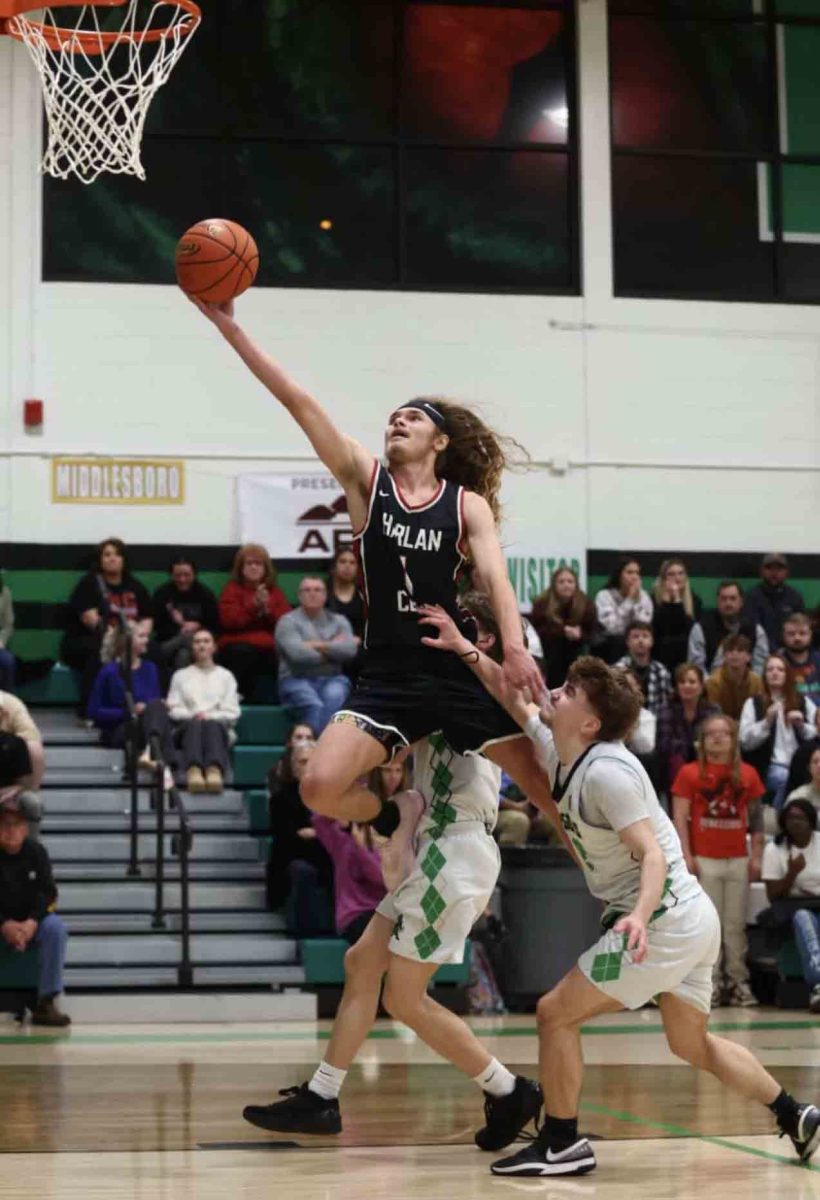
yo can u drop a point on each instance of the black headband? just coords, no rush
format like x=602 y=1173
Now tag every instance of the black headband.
x=429 y=410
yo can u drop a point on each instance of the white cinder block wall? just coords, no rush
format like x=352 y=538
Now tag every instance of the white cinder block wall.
x=687 y=425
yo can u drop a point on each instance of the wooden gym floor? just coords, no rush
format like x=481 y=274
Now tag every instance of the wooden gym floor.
x=154 y=1112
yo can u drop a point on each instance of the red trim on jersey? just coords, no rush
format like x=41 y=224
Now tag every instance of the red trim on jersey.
x=417 y=507
x=357 y=533
x=358 y=546
x=462 y=546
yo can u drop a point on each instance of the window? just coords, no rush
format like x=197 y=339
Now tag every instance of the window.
x=716 y=148
x=365 y=143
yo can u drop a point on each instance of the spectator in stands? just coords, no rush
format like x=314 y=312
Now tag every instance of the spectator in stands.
x=180 y=607
x=249 y=608
x=313 y=646
x=104 y=598
x=803 y=660
x=27 y=899
x=358 y=886
x=385 y=782
x=773 y=724
x=713 y=627
x=344 y=596
x=716 y=804
x=772 y=600
x=520 y=822
x=108 y=705
x=809 y=791
x=791 y=869
x=653 y=677
x=204 y=706
x=20 y=778
x=619 y=604
x=8 y=663
x=676 y=608
x=642 y=737
x=300 y=870
x=564 y=619
x=731 y=685
x=679 y=718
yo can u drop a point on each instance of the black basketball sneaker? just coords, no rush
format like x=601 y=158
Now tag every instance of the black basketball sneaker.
x=539 y=1159
x=506 y=1116
x=806 y=1135
x=302 y=1111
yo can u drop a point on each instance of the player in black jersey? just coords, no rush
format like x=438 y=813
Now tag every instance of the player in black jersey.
x=417 y=521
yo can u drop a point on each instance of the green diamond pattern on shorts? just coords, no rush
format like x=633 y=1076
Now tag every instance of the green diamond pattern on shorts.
x=427 y=942
x=606 y=968
x=442 y=813
x=432 y=862
x=432 y=904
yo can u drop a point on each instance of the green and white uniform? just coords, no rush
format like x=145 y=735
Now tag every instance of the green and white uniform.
x=605 y=791
x=457 y=861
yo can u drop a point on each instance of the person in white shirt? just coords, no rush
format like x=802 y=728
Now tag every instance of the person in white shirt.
x=204 y=705
x=809 y=791
x=773 y=724
x=618 y=604
x=791 y=869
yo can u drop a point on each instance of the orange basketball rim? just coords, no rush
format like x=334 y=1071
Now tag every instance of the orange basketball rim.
x=89 y=41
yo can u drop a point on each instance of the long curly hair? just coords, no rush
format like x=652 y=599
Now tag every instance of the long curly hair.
x=476 y=456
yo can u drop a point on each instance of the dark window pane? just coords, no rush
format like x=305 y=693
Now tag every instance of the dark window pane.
x=689 y=85
x=685 y=8
x=191 y=99
x=540 y=4
x=477 y=218
x=320 y=214
x=484 y=74
x=799 y=48
x=797 y=8
x=119 y=230
x=683 y=228
x=800 y=253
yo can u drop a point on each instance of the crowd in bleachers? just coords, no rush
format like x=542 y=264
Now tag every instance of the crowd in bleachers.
x=729 y=731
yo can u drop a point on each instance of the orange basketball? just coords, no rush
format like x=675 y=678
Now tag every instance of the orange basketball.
x=216 y=260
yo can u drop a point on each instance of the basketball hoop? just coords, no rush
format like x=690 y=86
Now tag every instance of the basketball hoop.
x=98 y=82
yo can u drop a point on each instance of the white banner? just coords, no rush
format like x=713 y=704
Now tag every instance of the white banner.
x=303 y=515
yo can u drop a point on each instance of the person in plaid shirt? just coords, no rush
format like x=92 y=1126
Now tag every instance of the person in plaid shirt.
x=655 y=680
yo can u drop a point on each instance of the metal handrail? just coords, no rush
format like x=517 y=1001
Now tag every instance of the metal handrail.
x=181 y=843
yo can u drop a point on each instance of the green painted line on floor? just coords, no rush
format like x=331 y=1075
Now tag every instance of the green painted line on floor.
x=381 y=1034
x=682 y=1131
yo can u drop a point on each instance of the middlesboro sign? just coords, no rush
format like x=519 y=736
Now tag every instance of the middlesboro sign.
x=132 y=481
x=303 y=515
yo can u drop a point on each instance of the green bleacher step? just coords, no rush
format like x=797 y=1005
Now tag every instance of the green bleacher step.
x=256 y=806
x=323 y=963
x=58 y=687
x=263 y=725
x=19 y=970
x=252 y=763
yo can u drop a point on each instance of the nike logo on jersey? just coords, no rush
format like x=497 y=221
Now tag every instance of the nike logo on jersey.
x=384 y=493
x=403 y=535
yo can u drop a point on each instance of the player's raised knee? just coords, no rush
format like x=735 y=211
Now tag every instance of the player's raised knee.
x=319 y=789
x=548 y=1012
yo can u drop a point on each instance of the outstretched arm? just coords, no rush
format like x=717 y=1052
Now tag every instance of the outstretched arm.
x=348 y=461
x=520 y=669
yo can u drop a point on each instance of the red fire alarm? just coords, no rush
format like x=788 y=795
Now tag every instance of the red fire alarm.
x=33 y=416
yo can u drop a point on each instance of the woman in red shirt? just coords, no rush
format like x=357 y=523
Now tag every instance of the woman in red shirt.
x=249 y=607
x=716 y=803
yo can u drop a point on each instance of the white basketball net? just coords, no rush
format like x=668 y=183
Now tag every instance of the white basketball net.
x=97 y=87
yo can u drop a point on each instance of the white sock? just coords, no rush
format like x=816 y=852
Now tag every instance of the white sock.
x=495 y=1079
x=327 y=1081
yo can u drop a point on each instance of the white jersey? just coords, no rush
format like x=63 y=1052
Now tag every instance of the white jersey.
x=603 y=792
x=456 y=788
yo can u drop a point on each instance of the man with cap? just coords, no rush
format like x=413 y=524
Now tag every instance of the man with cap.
x=772 y=600
x=20 y=774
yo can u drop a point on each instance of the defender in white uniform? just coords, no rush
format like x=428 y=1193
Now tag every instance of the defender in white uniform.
x=661 y=931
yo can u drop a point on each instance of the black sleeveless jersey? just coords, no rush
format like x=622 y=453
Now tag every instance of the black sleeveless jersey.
x=409 y=556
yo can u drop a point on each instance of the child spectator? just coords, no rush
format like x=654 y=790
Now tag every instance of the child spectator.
x=108 y=705
x=714 y=626
x=357 y=873
x=678 y=720
x=564 y=619
x=249 y=608
x=180 y=607
x=791 y=869
x=313 y=646
x=676 y=608
x=716 y=803
x=653 y=677
x=203 y=703
x=103 y=599
x=773 y=724
x=772 y=600
x=619 y=604
x=809 y=791
x=8 y=663
x=27 y=897
x=300 y=870
x=803 y=660
x=731 y=685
